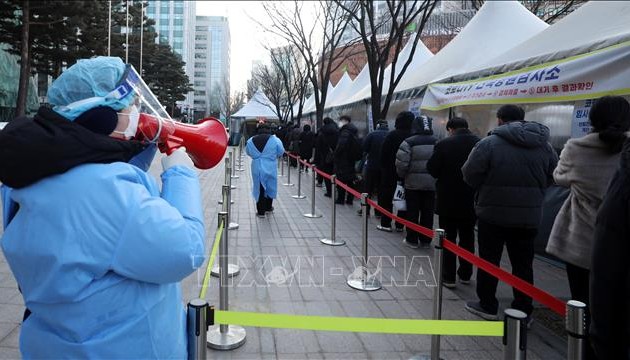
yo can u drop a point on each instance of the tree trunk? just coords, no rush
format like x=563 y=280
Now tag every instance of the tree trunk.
x=25 y=62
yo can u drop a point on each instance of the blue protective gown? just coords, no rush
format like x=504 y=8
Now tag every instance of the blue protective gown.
x=98 y=253
x=265 y=167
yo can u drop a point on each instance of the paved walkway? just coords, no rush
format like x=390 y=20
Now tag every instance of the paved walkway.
x=286 y=243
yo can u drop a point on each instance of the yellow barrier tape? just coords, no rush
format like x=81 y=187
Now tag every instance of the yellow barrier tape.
x=370 y=325
x=213 y=254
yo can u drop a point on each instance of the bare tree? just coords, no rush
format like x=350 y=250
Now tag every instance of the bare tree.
x=547 y=10
x=318 y=45
x=270 y=81
x=383 y=34
x=294 y=74
x=230 y=103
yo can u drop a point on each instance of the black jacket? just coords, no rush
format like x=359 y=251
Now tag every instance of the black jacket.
x=610 y=268
x=307 y=143
x=327 y=138
x=49 y=144
x=455 y=198
x=391 y=143
x=344 y=163
x=510 y=171
x=372 y=145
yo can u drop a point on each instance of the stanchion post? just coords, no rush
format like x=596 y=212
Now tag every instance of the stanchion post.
x=364 y=283
x=231 y=225
x=233 y=269
x=288 y=183
x=197 y=328
x=437 y=292
x=514 y=335
x=576 y=330
x=223 y=336
x=282 y=166
x=228 y=179
x=333 y=217
x=299 y=187
x=233 y=163
x=313 y=214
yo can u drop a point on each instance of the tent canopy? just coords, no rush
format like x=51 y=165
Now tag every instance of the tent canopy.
x=497 y=26
x=340 y=91
x=595 y=25
x=258 y=106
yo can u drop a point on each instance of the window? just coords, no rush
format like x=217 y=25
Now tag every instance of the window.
x=178 y=46
x=201 y=37
x=200 y=74
x=178 y=22
x=164 y=8
x=200 y=65
x=201 y=47
x=200 y=82
x=178 y=34
x=201 y=28
x=201 y=56
x=150 y=10
x=179 y=10
x=164 y=17
x=200 y=92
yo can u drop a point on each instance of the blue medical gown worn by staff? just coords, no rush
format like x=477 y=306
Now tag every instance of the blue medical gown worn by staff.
x=264 y=166
x=98 y=253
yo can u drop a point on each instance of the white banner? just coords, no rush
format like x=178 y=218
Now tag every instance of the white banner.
x=586 y=76
x=580 y=125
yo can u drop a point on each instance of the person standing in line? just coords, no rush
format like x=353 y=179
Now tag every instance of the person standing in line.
x=294 y=143
x=455 y=199
x=307 y=143
x=411 y=165
x=264 y=149
x=346 y=154
x=510 y=171
x=586 y=166
x=325 y=150
x=389 y=177
x=372 y=145
x=610 y=269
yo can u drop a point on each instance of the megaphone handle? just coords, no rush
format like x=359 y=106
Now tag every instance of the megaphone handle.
x=171 y=144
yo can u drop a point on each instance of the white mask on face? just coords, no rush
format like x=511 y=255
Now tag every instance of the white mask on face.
x=132 y=126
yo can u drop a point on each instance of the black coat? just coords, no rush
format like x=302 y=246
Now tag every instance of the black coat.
x=344 y=162
x=510 y=171
x=372 y=145
x=327 y=138
x=388 y=154
x=455 y=198
x=307 y=143
x=610 y=268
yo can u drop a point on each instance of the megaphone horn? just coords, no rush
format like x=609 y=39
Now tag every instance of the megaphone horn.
x=205 y=142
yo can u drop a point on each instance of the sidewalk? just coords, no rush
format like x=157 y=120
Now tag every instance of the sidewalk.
x=315 y=274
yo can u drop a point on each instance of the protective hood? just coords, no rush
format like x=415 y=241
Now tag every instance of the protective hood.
x=523 y=133
x=49 y=144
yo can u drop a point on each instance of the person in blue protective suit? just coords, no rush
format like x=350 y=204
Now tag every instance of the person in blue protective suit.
x=96 y=247
x=264 y=149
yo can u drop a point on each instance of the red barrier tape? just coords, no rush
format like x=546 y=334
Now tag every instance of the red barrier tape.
x=541 y=296
x=354 y=193
x=323 y=174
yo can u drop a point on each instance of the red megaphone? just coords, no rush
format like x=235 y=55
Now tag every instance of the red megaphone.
x=205 y=142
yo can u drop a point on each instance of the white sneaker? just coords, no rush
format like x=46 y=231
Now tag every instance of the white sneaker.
x=384 y=228
x=411 y=245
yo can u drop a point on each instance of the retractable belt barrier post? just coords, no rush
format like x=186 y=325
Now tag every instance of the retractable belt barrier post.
x=514 y=335
x=240 y=155
x=228 y=179
x=333 y=218
x=228 y=208
x=288 y=183
x=233 y=269
x=437 y=292
x=312 y=214
x=281 y=167
x=223 y=336
x=366 y=281
x=197 y=328
x=233 y=163
x=576 y=330
x=299 y=187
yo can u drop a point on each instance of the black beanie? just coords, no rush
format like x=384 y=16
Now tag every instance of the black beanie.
x=101 y=120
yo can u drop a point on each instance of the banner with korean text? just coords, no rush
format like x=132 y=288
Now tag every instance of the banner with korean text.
x=581 y=77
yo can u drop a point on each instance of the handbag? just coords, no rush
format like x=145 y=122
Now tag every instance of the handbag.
x=398 y=201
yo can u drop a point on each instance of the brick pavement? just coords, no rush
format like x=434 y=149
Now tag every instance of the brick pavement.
x=319 y=283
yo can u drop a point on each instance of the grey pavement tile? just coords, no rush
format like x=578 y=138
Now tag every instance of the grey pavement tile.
x=344 y=356
x=12 y=340
x=7 y=328
x=7 y=353
x=337 y=342
x=11 y=313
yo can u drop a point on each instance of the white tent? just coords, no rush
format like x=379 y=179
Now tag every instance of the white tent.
x=362 y=80
x=337 y=95
x=420 y=58
x=309 y=105
x=497 y=26
x=582 y=56
x=258 y=106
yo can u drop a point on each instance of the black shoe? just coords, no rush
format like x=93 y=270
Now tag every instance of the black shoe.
x=270 y=210
x=260 y=215
x=327 y=194
x=475 y=308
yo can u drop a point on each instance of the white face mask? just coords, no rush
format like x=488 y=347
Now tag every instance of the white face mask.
x=132 y=126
